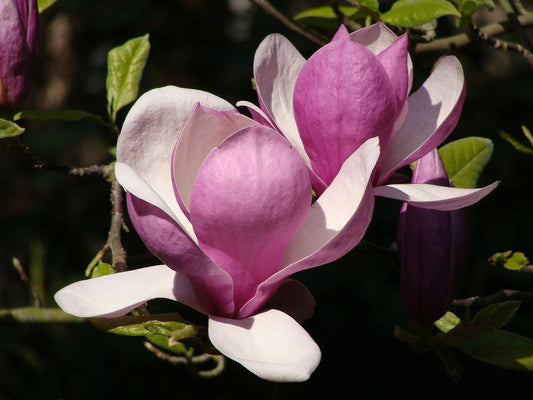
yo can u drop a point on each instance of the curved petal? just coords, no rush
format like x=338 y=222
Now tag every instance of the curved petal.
x=204 y=130
x=343 y=96
x=249 y=198
x=277 y=64
x=336 y=223
x=151 y=130
x=166 y=240
x=434 y=197
x=134 y=184
x=433 y=112
x=257 y=114
x=294 y=299
x=394 y=60
x=271 y=345
x=117 y=294
x=377 y=38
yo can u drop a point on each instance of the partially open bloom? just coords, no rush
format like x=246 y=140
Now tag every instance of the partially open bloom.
x=19 y=28
x=225 y=203
x=431 y=245
x=356 y=88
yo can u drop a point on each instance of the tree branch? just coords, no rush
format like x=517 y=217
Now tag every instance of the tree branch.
x=463 y=39
x=118 y=254
x=498 y=297
x=289 y=23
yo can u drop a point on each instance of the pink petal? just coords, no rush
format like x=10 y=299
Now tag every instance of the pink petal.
x=434 y=197
x=294 y=299
x=134 y=184
x=151 y=130
x=271 y=345
x=117 y=294
x=204 y=130
x=257 y=114
x=341 y=34
x=277 y=64
x=394 y=60
x=433 y=112
x=377 y=38
x=166 y=240
x=336 y=223
x=249 y=198
x=343 y=96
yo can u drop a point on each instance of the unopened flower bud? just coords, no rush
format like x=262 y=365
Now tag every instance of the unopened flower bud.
x=19 y=31
x=431 y=245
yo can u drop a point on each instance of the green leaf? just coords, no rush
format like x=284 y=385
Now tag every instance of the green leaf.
x=125 y=65
x=513 y=261
x=410 y=13
x=39 y=314
x=44 y=4
x=516 y=144
x=102 y=269
x=447 y=322
x=496 y=315
x=465 y=159
x=140 y=325
x=501 y=348
x=9 y=129
x=324 y=17
x=61 y=115
x=469 y=7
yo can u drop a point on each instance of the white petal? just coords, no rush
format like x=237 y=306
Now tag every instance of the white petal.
x=133 y=183
x=277 y=64
x=434 y=197
x=271 y=345
x=117 y=294
x=151 y=130
x=433 y=111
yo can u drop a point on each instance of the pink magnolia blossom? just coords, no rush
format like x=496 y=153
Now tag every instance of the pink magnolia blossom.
x=356 y=88
x=431 y=244
x=225 y=203
x=19 y=36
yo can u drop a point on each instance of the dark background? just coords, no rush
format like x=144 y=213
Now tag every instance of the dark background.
x=56 y=223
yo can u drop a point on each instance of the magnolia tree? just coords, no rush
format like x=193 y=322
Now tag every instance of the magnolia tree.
x=234 y=199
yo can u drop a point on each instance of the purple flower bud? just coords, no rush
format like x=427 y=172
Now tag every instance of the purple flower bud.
x=431 y=245
x=19 y=35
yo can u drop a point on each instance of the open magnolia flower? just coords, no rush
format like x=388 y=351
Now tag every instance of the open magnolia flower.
x=225 y=203
x=356 y=88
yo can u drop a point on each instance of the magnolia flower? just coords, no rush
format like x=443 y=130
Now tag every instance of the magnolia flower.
x=19 y=35
x=225 y=203
x=356 y=88
x=431 y=245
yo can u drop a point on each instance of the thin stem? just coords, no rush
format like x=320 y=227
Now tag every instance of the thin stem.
x=352 y=25
x=498 y=297
x=289 y=23
x=463 y=39
x=118 y=254
x=24 y=278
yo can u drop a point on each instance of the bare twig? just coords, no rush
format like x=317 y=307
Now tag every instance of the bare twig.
x=118 y=254
x=498 y=297
x=350 y=24
x=519 y=7
x=463 y=39
x=504 y=45
x=24 y=278
x=289 y=23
